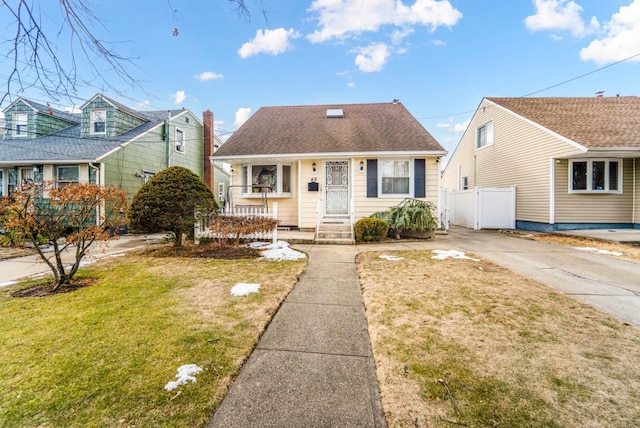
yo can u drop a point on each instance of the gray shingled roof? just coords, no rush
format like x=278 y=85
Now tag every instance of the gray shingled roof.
x=298 y=130
x=73 y=118
x=594 y=122
x=67 y=145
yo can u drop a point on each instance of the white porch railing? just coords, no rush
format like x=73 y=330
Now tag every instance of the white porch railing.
x=202 y=230
x=352 y=218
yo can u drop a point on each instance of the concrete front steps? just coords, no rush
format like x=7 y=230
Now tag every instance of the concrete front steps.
x=334 y=230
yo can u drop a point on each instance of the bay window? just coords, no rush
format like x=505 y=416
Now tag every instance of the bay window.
x=595 y=176
x=274 y=178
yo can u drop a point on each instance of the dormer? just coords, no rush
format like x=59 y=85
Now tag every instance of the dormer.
x=104 y=118
x=28 y=119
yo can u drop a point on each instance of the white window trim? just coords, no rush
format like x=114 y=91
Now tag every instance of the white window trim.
x=221 y=194
x=184 y=138
x=411 y=179
x=66 y=181
x=489 y=128
x=278 y=192
x=589 y=189
x=25 y=122
x=92 y=121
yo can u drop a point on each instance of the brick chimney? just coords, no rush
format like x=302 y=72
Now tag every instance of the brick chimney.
x=207 y=118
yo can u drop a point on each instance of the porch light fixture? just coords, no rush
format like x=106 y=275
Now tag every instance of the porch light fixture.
x=314 y=168
x=361 y=166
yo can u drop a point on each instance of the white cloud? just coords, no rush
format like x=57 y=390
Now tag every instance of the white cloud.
x=622 y=38
x=340 y=19
x=443 y=125
x=144 y=104
x=437 y=42
x=372 y=58
x=351 y=84
x=72 y=110
x=179 y=97
x=242 y=115
x=459 y=128
x=273 y=42
x=397 y=36
x=208 y=75
x=559 y=15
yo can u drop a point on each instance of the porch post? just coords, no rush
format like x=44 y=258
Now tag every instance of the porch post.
x=274 y=210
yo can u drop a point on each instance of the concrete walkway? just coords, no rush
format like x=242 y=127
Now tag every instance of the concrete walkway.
x=313 y=365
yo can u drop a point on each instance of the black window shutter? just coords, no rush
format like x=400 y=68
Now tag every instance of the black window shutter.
x=419 y=178
x=372 y=178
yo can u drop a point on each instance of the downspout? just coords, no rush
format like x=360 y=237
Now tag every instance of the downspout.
x=97 y=170
x=633 y=208
x=167 y=138
x=552 y=192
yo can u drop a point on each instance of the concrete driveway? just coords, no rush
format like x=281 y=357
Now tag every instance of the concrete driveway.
x=606 y=283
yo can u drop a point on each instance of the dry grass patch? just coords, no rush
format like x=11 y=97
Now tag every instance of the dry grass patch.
x=629 y=252
x=471 y=343
x=101 y=355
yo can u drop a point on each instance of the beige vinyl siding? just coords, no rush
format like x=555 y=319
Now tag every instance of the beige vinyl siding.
x=309 y=200
x=593 y=208
x=636 y=214
x=461 y=163
x=519 y=156
x=367 y=206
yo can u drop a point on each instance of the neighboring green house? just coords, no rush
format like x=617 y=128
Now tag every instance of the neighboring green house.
x=107 y=143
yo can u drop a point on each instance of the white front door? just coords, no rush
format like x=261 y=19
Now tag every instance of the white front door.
x=336 y=188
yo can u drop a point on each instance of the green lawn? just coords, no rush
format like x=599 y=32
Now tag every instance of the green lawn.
x=101 y=355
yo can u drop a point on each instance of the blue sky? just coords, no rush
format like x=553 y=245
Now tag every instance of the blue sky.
x=439 y=58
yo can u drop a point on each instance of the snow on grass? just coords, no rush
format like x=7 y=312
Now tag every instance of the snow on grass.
x=242 y=289
x=277 y=251
x=6 y=284
x=185 y=374
x=391 y=258
x=598 y=251
x=445 y=254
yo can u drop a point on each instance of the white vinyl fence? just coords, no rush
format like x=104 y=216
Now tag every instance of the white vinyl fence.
x=483 y=207
x=202 y=230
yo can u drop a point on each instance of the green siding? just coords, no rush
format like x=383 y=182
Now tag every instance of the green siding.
x=150 y=153
x=20 y=107
x=38 y=124
x=118 y=122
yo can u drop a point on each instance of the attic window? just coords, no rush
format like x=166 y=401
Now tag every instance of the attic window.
x=335 y=113
x=99 y=121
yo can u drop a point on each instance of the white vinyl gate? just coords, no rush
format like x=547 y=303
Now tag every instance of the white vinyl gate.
x=483 y=207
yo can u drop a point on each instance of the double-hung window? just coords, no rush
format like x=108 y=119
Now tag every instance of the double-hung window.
x=99 y=122
x=274 y=178
x=484 y=135
x=67 y=175
x=595 y=176
x=395 y=177
x=20 y=125
x=179 y=140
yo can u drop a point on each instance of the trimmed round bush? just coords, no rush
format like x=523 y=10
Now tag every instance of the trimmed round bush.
x=371 y=229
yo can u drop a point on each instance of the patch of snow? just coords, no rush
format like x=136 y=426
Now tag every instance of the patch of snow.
x=6 y=284
x=598 y=251
x=444 y=254
x=277 y=251
x=185 y=374
x=391 y=258
x=242 y=289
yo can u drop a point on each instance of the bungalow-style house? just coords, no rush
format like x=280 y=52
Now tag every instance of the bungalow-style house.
x=575 y=162
x=107 y=143
x=333 y=163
